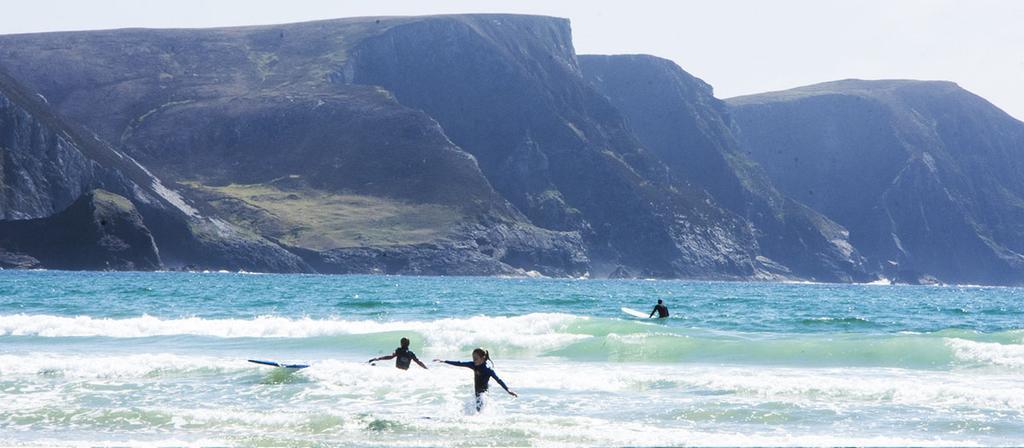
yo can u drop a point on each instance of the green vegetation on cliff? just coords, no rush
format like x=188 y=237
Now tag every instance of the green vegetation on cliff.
x=314 y=219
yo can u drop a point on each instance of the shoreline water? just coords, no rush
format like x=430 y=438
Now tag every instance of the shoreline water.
x=157 y=359
x=882 y=281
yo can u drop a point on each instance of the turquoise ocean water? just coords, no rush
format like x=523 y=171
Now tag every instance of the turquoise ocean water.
x=160 y=359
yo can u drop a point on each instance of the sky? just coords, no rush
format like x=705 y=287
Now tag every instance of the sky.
x=738 y=46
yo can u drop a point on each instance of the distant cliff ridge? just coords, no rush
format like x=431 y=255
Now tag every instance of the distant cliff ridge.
x=927 y=176
x=676 y=117
x=484 y=145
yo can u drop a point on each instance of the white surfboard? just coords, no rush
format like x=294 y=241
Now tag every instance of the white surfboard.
x=635 y=313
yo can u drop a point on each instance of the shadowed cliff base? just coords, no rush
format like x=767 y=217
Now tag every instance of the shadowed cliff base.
x=100 y=229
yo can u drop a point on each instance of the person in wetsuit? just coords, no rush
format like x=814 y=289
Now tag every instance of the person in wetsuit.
x=481 y=374
x=661 y=309
x=403 y=356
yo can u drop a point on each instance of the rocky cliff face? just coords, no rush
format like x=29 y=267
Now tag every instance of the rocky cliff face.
x=677 y=117
x=924 y=174
x=42 y=171
x=481 y=145
x=232 y=113
x=508 y=89
x=48 y=163
x=251 y=127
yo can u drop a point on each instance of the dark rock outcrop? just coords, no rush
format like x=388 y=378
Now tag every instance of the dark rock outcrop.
x=619 y=273
x=677 y=117
x=925 y=175
x=100 y=230
x=12 y=260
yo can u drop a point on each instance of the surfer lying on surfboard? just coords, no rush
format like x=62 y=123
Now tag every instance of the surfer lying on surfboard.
x=481 y=374
x=661 y=309
x=403 y=356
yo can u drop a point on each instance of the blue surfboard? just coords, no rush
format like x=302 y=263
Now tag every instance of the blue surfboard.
x=278 y=364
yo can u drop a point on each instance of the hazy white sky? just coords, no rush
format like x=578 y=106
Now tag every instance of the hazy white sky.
x=738 y=46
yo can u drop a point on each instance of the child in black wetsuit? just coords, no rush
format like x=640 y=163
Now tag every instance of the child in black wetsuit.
x=481 y=374
x=403 y=356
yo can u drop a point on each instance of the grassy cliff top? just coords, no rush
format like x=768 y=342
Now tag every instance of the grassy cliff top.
x=852 y=87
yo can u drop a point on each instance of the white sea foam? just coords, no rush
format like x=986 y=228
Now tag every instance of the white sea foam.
x=562 y=403
x=597 y=433
x=110 y=365
x=262 y=326
x=989 y=353
x=114 y=441
x=354 y=378
x=530 y=333
x=905 y=387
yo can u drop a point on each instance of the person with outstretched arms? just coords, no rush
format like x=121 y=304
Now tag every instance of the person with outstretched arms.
x=482 y=374
x=402 y=356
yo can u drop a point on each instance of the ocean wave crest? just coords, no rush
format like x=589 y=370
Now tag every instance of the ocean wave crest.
x=559 y=335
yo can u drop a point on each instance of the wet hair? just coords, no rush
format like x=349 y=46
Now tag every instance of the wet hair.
x=484 y=354
x=405 y=342
x=659 y=300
